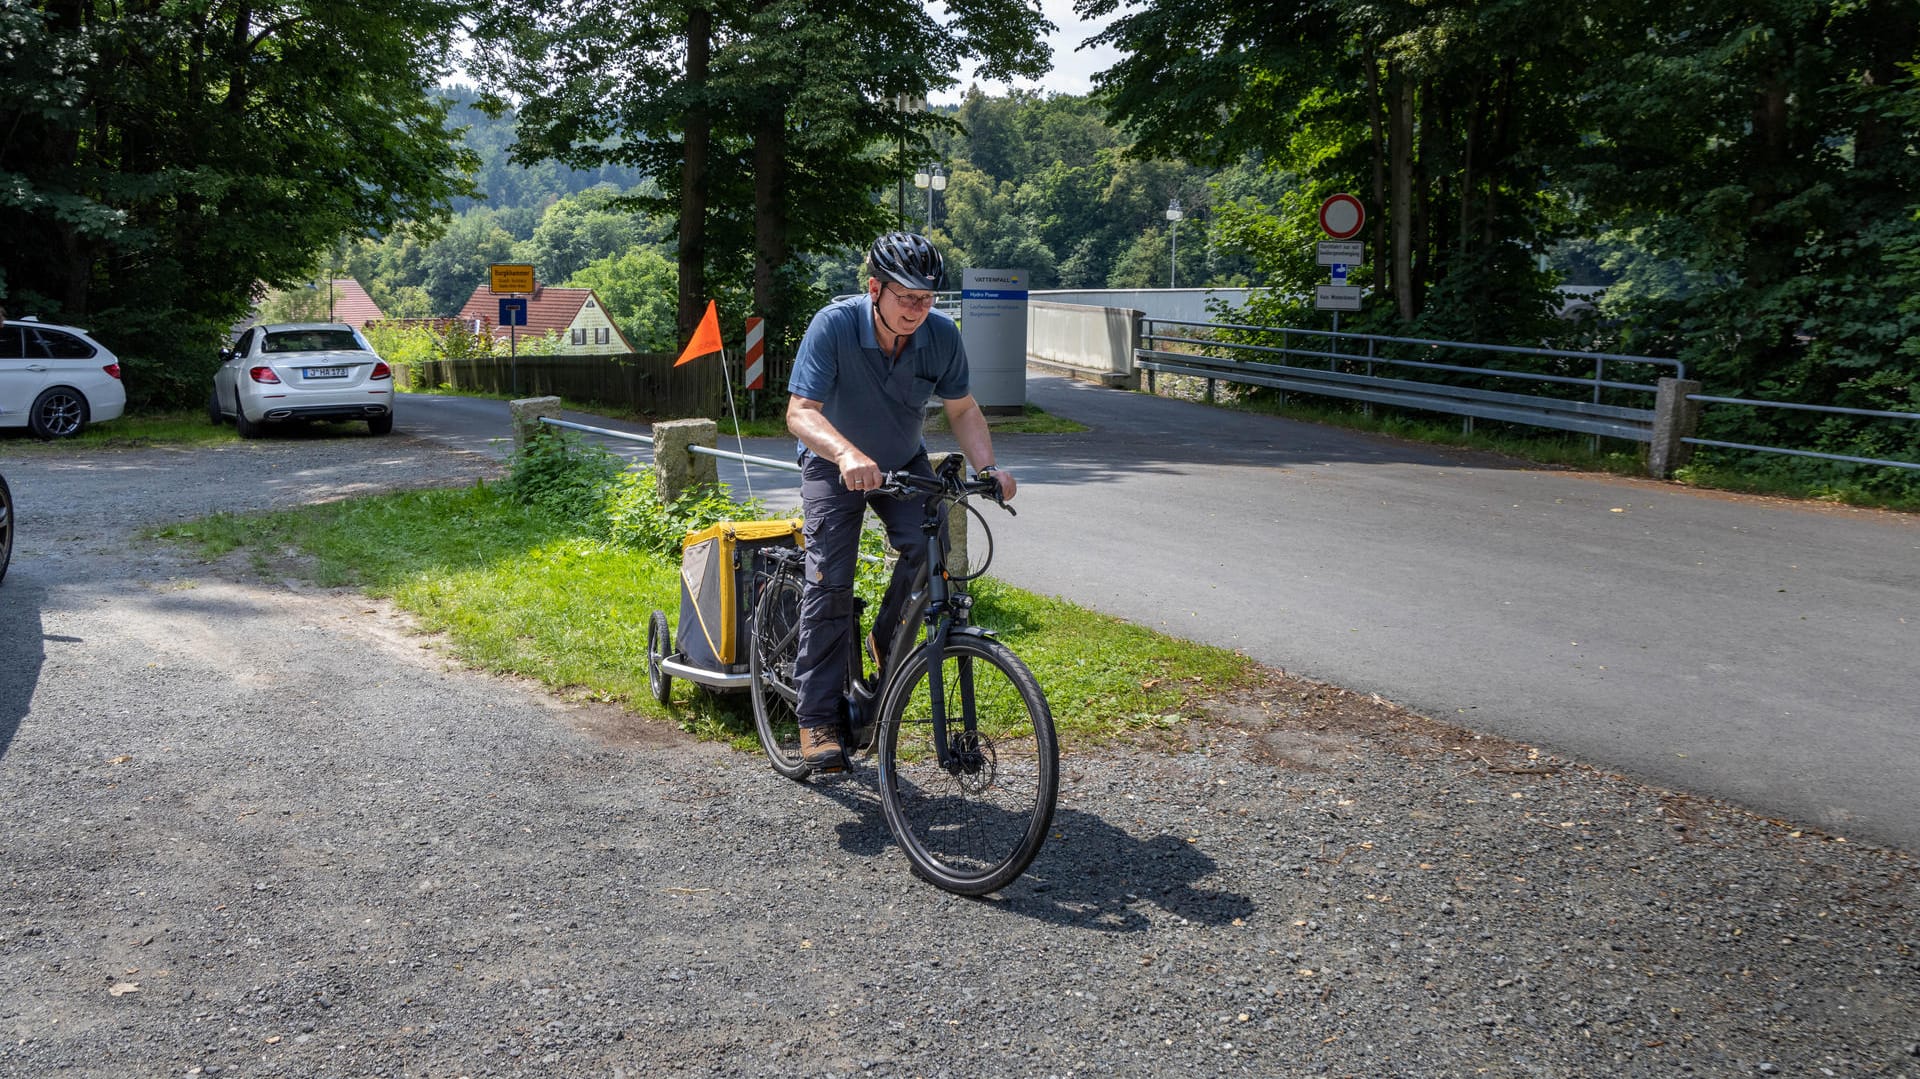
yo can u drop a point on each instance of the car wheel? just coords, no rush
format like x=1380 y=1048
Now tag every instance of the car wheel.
x=60 y=412
x=214 y=415
x=6 y=527
x=381 y=425
x=246 y=427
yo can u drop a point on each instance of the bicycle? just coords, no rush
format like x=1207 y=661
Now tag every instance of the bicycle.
x=968 y=764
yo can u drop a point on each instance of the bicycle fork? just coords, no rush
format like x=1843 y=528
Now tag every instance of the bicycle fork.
x=959 y=755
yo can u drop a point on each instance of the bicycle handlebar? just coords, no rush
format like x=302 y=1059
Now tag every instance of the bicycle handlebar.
x=897 y=484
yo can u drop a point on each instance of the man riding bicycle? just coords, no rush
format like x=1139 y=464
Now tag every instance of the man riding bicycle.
x=859 y=386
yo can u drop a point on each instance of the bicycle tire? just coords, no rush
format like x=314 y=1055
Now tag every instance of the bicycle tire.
x=774 y=645
x=659 y=643
x=973 y=832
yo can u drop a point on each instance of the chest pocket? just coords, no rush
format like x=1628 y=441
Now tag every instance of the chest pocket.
x=908 y=388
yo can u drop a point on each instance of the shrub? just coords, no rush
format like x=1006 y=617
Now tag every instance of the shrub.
x=636 y=517
x=564 y=475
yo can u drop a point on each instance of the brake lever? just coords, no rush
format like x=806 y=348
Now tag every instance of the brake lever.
x=995 y=497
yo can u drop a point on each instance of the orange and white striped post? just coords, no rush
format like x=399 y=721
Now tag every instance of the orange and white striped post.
x=756 y=354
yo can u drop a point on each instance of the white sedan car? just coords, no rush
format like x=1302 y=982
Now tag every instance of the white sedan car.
x=301 y=371
x=54 y=380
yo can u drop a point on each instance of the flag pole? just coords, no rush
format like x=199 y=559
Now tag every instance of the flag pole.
x=746 y=470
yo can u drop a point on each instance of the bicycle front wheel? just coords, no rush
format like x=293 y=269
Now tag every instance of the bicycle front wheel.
x=975 y=824
x=772 y=648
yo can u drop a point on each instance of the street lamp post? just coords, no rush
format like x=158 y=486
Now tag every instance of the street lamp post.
x=1173 y=240
x=932 y=178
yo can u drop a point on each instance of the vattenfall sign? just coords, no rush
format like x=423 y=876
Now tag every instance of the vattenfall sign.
x=993 y=326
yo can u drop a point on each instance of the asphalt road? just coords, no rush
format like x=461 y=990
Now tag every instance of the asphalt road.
x=1744 y=648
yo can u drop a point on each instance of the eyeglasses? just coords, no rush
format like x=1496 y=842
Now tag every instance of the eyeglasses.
x=912 y=301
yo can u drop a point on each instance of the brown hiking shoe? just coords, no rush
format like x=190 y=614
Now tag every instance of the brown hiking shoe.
x=820 y=748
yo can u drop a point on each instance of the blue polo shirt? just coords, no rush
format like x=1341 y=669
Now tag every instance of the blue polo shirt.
x=877 y=403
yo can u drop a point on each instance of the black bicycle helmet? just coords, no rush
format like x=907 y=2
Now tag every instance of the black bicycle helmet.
x=907 y=259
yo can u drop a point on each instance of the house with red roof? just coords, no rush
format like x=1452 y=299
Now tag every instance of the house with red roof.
x=351 y=304
x=574 y=313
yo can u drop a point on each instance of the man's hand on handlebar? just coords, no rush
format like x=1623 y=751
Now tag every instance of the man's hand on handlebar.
x=858 y=472
x=1003 y=478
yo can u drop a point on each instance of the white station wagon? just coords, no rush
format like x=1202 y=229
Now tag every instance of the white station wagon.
x=55 y=380
x=300 y=371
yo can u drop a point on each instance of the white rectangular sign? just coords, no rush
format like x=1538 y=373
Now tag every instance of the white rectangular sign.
x=1340 y=253
x=993 y=327
x=1336 y=297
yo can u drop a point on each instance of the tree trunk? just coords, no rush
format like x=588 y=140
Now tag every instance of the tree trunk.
x=693 y=176
x=1894 y=39
x=769 y=215
x=1501 y=145
x=1378 y=256
x=1400 y=146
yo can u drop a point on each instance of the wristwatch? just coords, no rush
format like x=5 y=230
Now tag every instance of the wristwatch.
x=986 y=470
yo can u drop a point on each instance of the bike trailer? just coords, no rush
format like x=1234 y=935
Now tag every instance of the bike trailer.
x=716 y=589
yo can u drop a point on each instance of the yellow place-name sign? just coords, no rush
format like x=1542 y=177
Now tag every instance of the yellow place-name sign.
x=512 y=277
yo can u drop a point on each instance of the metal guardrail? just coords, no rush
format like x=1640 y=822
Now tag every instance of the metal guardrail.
x=1829 y=409
x=1592 y=417
x=629 y=436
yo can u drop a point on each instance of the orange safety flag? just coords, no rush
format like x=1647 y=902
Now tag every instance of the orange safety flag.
x=706 y=337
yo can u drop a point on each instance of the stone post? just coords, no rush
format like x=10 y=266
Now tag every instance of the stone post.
x=526 y=418
x=1674 y=418
x=675 y=467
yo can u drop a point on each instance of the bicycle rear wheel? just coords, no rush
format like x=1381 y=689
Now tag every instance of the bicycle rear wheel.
x=975 y=827
x=775 y=642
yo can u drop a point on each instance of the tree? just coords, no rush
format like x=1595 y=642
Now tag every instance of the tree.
x=587 y=227
x=1759 y=166
x=1441 y=114
x=766 y=123
x=639 y=291
x=160 y=160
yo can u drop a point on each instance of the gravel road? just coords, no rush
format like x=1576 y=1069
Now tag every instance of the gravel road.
x=218 y=860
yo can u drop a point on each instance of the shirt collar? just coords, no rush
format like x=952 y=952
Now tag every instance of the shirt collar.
x=870 y=336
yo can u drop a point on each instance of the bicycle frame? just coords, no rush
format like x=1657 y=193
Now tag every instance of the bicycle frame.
x=931 y=602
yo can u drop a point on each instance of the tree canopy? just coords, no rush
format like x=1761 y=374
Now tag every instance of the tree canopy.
x=767 y=124
x=1745 y=176
x=161 y=159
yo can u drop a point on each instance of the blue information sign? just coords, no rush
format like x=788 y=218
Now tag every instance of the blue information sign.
x=513 y=312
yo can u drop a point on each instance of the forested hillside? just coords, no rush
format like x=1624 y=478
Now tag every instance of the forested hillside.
x=1035 y=182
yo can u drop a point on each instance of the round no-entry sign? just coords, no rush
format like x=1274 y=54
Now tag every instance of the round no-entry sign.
x=1342 y=215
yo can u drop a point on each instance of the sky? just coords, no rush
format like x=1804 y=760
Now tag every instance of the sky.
x=1072 y=71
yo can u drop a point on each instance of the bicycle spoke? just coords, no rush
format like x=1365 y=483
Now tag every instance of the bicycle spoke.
x=975 y=824
x=775 y=644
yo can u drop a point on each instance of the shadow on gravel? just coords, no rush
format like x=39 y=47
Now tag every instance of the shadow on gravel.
x=22 y=650
x=1096 y=876
x=1090 y=874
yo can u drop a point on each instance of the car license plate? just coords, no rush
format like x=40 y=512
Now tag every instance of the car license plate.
x=326 y=372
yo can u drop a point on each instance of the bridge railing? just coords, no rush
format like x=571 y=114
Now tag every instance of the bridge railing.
x=1613 y=395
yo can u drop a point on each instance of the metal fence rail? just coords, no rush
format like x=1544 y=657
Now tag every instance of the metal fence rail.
x=1591 y=416
x=704 y=451
x=1346 y=366
x=1796 y=406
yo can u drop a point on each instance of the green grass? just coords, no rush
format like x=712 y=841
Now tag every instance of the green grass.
x=516 y=591
x=136 y=432
x=1033 y=421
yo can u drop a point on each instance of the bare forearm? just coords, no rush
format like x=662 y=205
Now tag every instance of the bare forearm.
x=815 y=432
x=969 y=426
